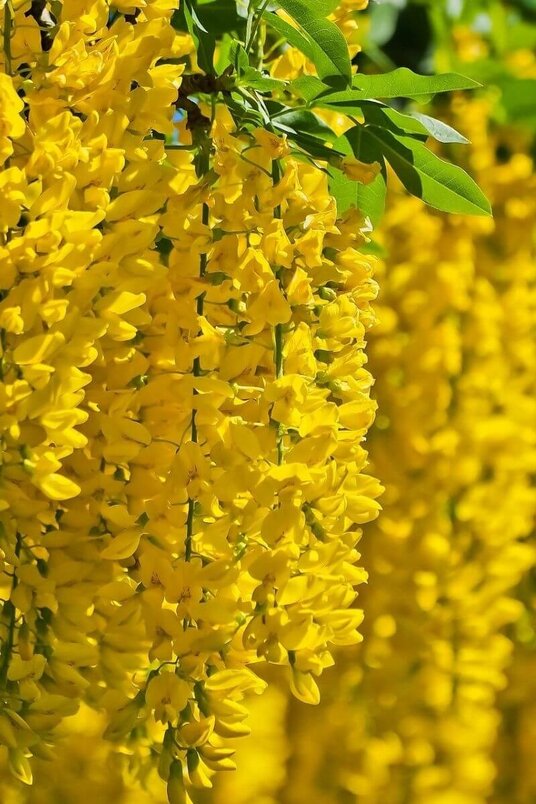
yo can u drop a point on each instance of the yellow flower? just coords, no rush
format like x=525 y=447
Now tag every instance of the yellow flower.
x=13 y=188
x=269 y=307
x=288 y=395
x=182 y=467
x=11 y=320
x=364 y=172
x=276 y=147
x=12 y=125
x=167 y=694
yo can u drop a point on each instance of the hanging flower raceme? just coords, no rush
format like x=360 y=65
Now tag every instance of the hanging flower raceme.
x=255 y=385
x=184 y=401
x=417 y=709
x=77 y=254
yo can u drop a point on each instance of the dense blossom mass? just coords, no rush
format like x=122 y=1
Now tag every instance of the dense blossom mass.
x=185 y=305
x=184 y=401
x=411 y=708
x=432 y=707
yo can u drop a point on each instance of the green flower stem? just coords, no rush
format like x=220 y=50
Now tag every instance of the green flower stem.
x=203 y=166
x=278 y=330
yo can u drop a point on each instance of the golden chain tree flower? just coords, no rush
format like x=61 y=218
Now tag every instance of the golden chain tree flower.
x=185 y=298
x=184 y=401
x=416 y=712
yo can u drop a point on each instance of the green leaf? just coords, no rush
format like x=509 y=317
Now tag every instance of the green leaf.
x=197 y=21
x=223 y=58
x=307 y=131
x=378 y=114
x=313 y=146
x=218 y=17
x=346 y=102
x=363 y=146
x=205 y=44
x=329 y=48
x=308 y=87
x=439 y=183
x=325 y=6
x=239 y=58
x=254 y=79
x=438 y=130
x=321 y=8
x=368 y=198
x=404 y=83
x=401 y=83
x=292 y=35
x=414 y=124
x=243 y=112
x=299 y=121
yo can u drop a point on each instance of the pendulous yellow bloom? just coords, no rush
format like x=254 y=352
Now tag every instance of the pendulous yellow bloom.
x=360 y=171
x=183 y=408
x=432 y=706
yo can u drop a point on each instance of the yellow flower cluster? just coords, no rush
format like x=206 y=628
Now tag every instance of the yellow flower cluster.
x=345 y=17
x=415 y=714
x=183 y=403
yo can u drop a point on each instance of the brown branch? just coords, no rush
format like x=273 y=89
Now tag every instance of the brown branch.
x=200 y=84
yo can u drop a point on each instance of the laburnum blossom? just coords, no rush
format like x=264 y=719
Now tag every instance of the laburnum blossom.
x=183 y=403
x=360 y=171
x=434 y=704
x=12 y=124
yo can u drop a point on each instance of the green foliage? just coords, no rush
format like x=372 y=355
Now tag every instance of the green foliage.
x=438 y=130
x=439 y=183
x=400 y=83
x=403 y=83
x=505 y=26
x=204 y=41
x=227 y=40
x=370 y=197
x=330 y=48
x=415 y=124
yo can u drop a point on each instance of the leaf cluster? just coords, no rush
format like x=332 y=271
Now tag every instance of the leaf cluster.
x=503 y=26
x=231 y=41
